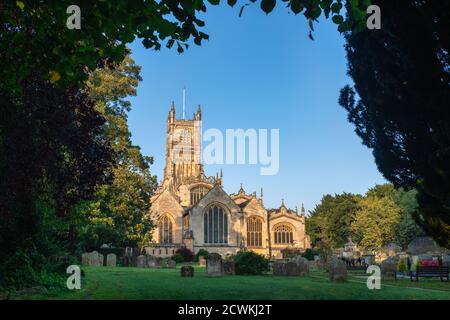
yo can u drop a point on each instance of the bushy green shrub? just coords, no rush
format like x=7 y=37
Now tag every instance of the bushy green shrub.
x=250 y=263
x=401 y=267
x=187 y=254
x=178 y=258
x=201 y=253
x=309 y=254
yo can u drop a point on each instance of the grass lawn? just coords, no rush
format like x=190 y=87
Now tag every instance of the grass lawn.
x=136 y=283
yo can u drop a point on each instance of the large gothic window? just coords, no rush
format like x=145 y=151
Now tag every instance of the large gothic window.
x=283 y=234
x=165 y=230
x=215 y=225
x=254 y=232
x=197 y=193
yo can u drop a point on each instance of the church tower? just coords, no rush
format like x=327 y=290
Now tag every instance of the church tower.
x=183 y=149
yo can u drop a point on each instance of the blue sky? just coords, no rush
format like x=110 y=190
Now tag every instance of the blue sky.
x=260 y=71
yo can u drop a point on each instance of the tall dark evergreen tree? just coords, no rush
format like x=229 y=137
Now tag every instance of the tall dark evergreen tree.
x=402 y=76
x=52 y=155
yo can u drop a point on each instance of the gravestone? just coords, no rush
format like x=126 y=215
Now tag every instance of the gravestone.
x=338 y=270
x=111 y=260
x=214 y=266
x=93 y=258
x=229 y=268
x=171 y=264
x=154 y=262
x=187 y=271
x=279 y=268
x=389 y=267
x=302 y=265
x=291 y=269
x=141 y=261
x=202 y=261
x=85 y=259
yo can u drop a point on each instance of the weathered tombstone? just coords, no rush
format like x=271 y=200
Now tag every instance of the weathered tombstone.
x=171 y=264
x=202 y=261
x=101 y=259
x=389 y=267
x=93 y=258
x=214 y=266
x=302 y=265
x=229 y=268
x=141 y=261
x=187 y=271
x=85 y=259
x=291 y=269
x=111 y=260
x=338 y=270
x=279 y=268
x=153 y=262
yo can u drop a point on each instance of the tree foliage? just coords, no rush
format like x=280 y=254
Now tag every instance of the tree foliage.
x=382 y=215
x=399 y=103
x=52 y=155
x=33 y=34
x=119 y=214
x=375 y=221
x=331 y=219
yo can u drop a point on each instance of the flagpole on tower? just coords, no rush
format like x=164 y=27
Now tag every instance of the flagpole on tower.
x=184 y=102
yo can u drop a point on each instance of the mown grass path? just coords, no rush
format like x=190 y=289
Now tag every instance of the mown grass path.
x=136 y=283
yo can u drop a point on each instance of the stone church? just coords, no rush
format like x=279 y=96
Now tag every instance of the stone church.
x=192 y=210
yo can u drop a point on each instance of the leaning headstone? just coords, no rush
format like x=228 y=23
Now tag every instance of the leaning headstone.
x=187 y=271
x=171 y=264
x=338 y=270
x=302 y=265
x=141 y=261
x=229 y=268
x=111 y=260
x=202 y=261
x=214 y=266
x=279 y=268
x=389 y=267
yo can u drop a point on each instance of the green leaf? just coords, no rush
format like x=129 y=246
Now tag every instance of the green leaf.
x=231 y=3
x=198 y=41
x=214 y=2
x=170 y=43
x=268 y=5
x=338 y=19
x=296 y=6
x=20 y=4
x=336 y=7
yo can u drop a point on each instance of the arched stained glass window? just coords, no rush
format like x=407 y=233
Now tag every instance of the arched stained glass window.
x=165 y=230
x=215 y=225
x=283 y=234
x=254 y=232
